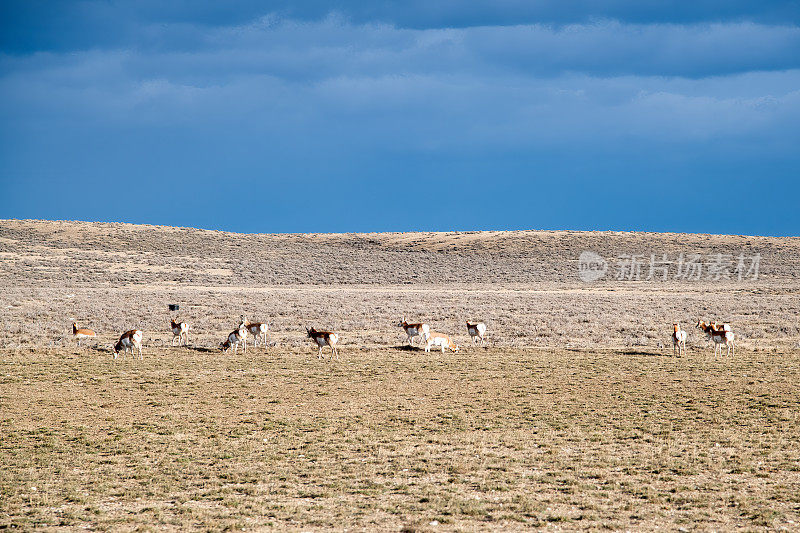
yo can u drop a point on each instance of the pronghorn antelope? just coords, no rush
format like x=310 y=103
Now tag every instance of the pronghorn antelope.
x=82 y=333
x=324 y=338
x=180 y=332
x=440 y=339
x=476 y=331
x=259 y=332
x=236 y=337
x=720 y=335
x=414 y=330
x=678 y=339
x=127 y=342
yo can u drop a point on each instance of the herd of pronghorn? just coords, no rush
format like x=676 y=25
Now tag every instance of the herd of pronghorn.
x=132 y=340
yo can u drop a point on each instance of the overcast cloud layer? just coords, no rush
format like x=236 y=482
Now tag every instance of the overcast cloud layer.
x=501 y=115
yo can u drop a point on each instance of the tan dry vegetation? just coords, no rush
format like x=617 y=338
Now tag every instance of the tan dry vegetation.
x=573 y=417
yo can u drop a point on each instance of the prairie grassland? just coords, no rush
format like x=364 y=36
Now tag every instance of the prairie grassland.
x=391 y=438
x=575 y=415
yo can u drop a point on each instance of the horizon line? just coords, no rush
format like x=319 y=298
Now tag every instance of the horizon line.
x=539 y=230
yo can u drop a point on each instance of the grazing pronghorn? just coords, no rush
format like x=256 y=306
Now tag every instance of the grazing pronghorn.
x=236 y=337
x=127 y=342
x=720 y=335
x=414 y=330
x=82 y=333
x=324 y=338
x=259 y=332
x=476 y=331
x=678 y=339
x=180 y=332
x=440 y=339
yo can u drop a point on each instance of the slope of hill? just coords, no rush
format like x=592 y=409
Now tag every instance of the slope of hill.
x=525 y=284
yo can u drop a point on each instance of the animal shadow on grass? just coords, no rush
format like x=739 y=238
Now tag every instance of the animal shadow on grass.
x=640 y=352
x=407 y=348
x=204 y=349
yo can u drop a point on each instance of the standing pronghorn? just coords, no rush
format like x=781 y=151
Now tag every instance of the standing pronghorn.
x=127 y=342
x=678 y=339
x=440 y=339
x=258 y=330
x=235 y=337
x=82 y=333
x=180 y=332
x=415 y=330
x=324 y=338
x=720 y=335
x=476 y=331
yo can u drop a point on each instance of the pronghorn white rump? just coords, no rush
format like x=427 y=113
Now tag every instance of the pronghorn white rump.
x=719 y=335
x=324 y=338
x=678 y=339
x=80 y=333
x=420 y=330
x=180 y=332
x=476 y=331
x=440 y=339
x=127 y=342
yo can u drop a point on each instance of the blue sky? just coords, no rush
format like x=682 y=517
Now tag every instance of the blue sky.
x=391 y=116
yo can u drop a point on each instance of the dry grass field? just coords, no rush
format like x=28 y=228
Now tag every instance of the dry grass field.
x=575 y=416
